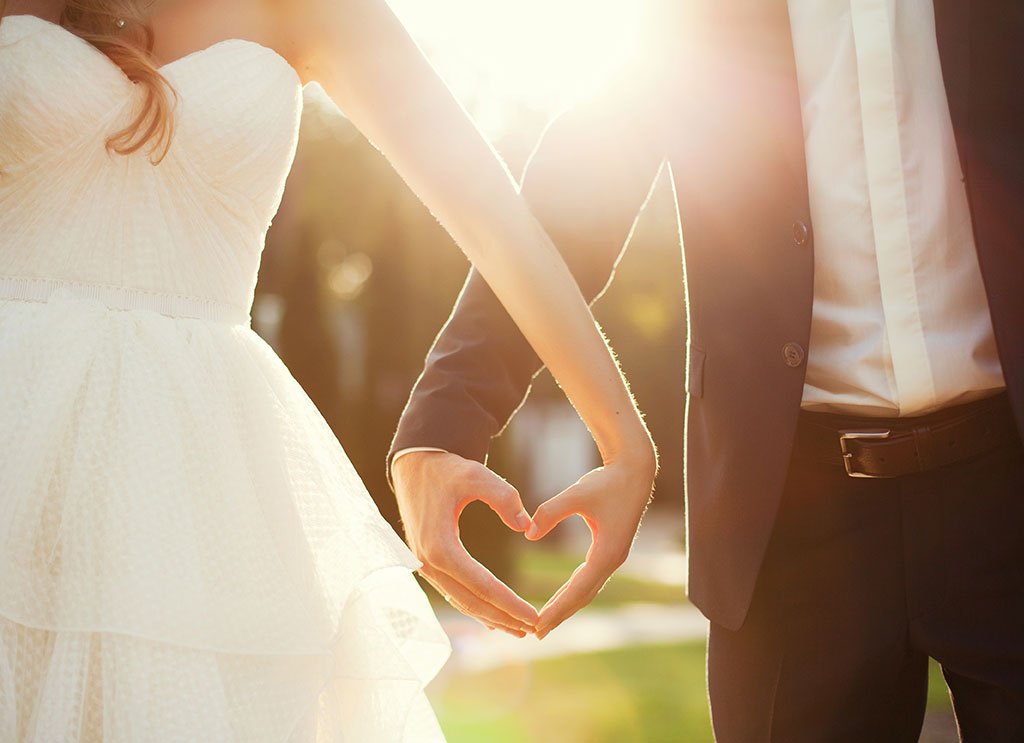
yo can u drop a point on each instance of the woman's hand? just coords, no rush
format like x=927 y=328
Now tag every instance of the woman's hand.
x=611 y=499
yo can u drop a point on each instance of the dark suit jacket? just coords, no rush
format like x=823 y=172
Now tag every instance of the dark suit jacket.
x=736 y=148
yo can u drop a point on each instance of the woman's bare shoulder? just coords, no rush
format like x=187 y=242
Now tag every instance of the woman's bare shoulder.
x=307 y=32
x=286 y=28
x=185 y=26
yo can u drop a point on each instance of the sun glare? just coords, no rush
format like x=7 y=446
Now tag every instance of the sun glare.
x=502 y=55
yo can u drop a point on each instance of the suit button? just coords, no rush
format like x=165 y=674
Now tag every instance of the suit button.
x=794 y=354
x=801 y=233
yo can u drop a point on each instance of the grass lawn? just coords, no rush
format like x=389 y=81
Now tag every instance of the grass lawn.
x=646 y=694
x=652 y=694
x=638 y=694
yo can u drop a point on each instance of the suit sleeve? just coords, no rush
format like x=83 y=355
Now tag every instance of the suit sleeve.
x=586 y=182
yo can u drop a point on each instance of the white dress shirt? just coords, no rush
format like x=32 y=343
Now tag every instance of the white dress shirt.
x=900 y=322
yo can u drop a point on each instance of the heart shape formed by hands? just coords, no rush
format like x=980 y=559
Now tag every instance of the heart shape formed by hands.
x=433 y=490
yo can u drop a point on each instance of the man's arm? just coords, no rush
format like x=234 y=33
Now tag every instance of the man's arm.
x=586 y=182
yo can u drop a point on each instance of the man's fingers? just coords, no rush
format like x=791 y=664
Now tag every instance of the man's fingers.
x=432 y=489
x=505 y=501
x=552 y=512
x=473 y=606
x=458 y=564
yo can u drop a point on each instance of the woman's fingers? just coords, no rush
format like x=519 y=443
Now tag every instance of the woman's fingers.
x=554 y=511
x=612 y=500
x=577 y=592
x=606 y=555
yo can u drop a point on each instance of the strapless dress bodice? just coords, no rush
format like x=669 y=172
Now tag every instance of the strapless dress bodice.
x=186 y=233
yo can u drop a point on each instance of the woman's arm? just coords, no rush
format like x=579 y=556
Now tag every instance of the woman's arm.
x=359 y=52
x=586 y=182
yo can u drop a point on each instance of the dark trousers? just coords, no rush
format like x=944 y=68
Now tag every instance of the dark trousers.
x=862 y=582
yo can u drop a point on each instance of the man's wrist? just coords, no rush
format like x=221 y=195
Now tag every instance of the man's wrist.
x=410 y=450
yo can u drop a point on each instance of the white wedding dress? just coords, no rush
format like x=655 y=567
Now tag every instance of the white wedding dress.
x=186 y=553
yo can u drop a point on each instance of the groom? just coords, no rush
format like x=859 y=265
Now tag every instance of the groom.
x=850 y=182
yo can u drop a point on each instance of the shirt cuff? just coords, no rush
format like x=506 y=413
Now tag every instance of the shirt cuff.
x=403 y=452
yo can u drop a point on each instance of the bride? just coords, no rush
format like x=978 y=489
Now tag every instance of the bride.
x=186 y=553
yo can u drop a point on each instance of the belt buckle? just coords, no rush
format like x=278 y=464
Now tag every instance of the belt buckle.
x=845 y=436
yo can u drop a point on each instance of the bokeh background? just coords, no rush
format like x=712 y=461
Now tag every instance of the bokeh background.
x=358 y=278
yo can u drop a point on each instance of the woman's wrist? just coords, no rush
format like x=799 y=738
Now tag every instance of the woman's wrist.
x=631 y=444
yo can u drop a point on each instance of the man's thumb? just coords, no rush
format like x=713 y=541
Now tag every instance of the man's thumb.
x=505 y=501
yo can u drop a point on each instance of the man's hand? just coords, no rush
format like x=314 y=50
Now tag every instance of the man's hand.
x=611 y=499
x=432 y=489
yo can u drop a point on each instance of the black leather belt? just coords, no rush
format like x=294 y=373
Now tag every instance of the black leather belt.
x=892 y=447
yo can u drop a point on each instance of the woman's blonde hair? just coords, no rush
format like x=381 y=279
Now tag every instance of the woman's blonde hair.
x=118 y=28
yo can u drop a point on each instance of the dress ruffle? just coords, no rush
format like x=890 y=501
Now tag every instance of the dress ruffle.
x=186 y=548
